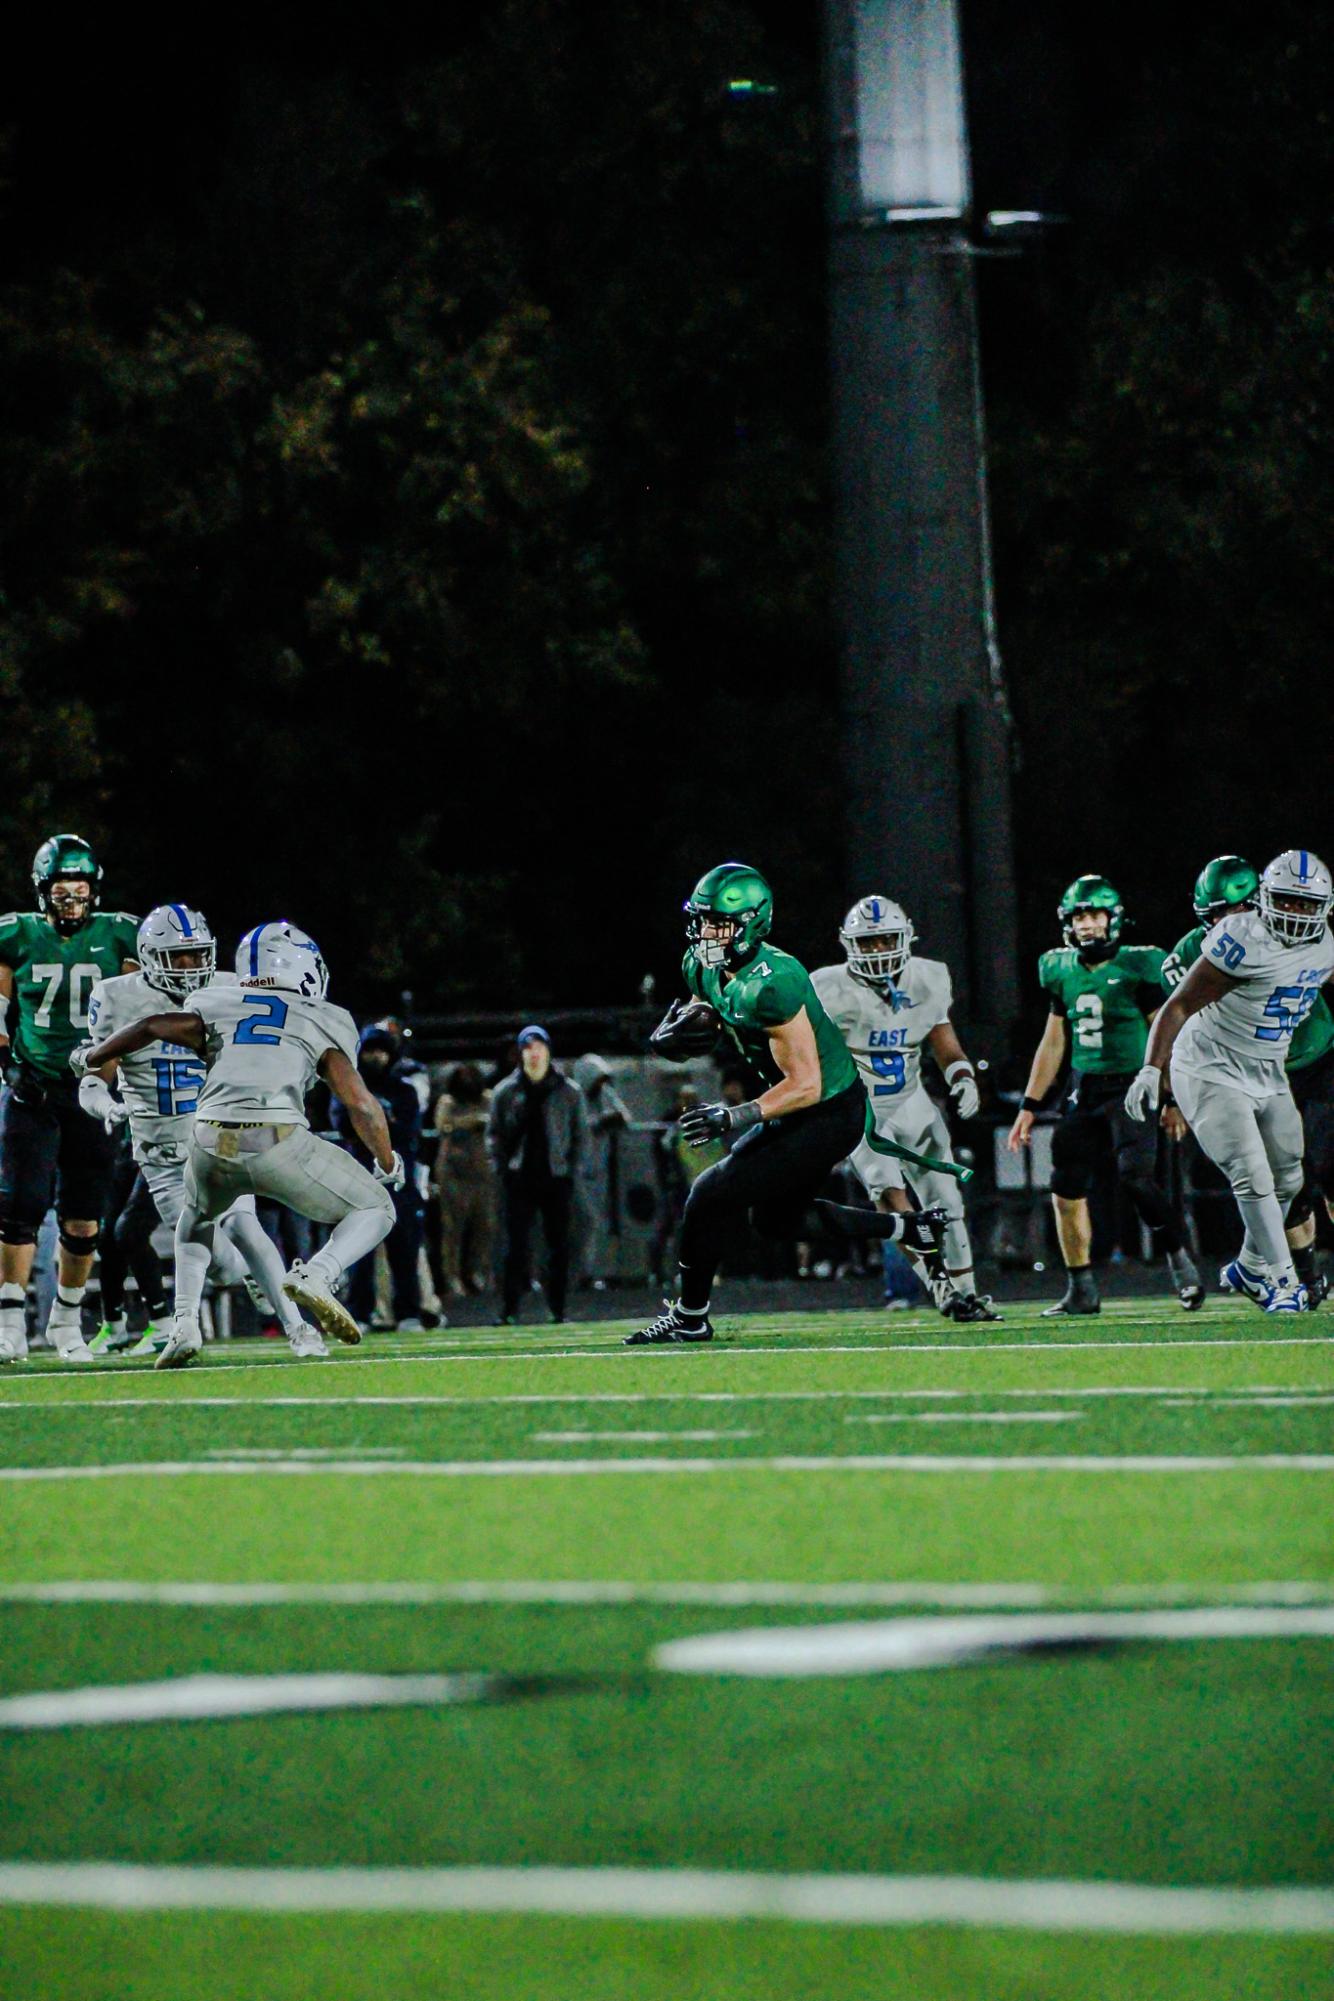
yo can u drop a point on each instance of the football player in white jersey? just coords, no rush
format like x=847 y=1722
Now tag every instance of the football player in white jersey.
x=266 y=1039
x=889 y=1004
x=159 y=1091
x=1224 y=1035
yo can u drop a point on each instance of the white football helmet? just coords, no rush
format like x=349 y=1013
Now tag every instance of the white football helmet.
x=877 y=939
x=1302 y=884
x=278 y=955
x=172 y=929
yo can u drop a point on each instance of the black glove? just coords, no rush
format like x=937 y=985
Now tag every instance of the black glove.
x=920 y=1232
x=703 y=1123
x=689 y=1028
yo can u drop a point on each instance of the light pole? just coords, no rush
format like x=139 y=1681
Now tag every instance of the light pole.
x=927 y=731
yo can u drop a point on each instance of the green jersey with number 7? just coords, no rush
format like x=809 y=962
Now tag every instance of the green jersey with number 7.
x=54 y=975
x=1107 y=1004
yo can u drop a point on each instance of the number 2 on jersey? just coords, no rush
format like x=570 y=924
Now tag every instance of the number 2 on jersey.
x=1088 y=1021
x=270 y=1016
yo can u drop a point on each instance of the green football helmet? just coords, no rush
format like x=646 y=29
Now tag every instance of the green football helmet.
x=1226 y=883
x=731 y=893
x=66 y=858
x=1091 y=892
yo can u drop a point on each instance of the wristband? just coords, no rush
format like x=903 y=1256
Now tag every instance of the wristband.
x=1032 y=1104
x=960 y=1063
x=740 y=1117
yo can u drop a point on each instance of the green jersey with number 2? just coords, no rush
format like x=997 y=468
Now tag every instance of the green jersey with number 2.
x=1107 y=1005
x=53 y=977
x=1311 y=1039
x=769 y=990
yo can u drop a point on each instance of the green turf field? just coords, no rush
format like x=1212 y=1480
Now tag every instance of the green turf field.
x=485 y=1549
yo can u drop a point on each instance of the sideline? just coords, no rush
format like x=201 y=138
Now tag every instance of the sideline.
x=790 y=1462
x=1019 y=1905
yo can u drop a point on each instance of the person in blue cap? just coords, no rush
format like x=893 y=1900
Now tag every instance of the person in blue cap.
x=535 y=1136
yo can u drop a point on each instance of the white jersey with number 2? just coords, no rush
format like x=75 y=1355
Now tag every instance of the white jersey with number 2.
x=264 y=1049
x=1243 y=1039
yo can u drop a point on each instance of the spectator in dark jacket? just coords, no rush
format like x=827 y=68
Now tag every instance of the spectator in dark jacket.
x=535 y=1136
x=377 y=1055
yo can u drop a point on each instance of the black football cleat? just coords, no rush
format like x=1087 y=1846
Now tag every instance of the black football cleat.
x=1080 y=1296
x=673 y=1325
x=969 y=1306
x=1186 y=1279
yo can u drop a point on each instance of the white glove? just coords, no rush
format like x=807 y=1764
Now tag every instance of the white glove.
x=1143 y=1095
x=96 y=1099
x=78 y=1058
x=962 y=1080
x=392 y=1176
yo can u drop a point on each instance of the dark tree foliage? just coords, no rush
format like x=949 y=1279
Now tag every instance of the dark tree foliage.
x=414 y=506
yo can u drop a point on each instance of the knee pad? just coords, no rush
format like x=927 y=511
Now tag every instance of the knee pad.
x=1071 y=1173
x=13 y=1231
x=79 y=1247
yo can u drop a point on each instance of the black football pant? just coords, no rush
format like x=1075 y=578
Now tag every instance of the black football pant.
x=1095 y=1123
x=50 y=1150
x=550 y=1200
x=401 y=1248
x=774 y=1172
x=128 y=1223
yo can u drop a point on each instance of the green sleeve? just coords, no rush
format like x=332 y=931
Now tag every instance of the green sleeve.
x=11 y=942
x=1181 y=958
x=782 y=996
x=690 y=971
x=1049 y=977
x=1149 y=962
x=127 y=936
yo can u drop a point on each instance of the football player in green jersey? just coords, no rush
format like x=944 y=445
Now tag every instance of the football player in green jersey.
x=1230 y=883
x=50 y=960
x=1102 y=995
x=784 y=1143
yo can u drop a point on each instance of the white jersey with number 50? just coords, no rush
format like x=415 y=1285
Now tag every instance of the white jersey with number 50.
x=885 y=1036
x=264 y=1050
x=1243 y=1039
x=160 y=1084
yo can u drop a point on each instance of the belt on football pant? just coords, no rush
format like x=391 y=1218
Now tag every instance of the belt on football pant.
x=229 y=1137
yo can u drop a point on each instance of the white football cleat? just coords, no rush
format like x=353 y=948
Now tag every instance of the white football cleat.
x=307 y=1343
x=14 y=1347
x=311 y=1290
x=182 y=1345
x=151 y=1342
x=64 y=1330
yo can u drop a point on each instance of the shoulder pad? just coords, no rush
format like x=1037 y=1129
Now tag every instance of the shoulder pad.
x=10 y=917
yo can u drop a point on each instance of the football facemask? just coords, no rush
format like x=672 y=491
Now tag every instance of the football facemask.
x=877 y=937
x=1296 y=892
x=177 y=950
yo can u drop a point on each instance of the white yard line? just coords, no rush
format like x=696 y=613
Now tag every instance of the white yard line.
x=195 y=1698
x=633 y=1437
x=968 y=1417
x=1044 y=1904
x=891 y=1646
x=173 y=1401
x=579 y=1591
x=732 y=1351
x=790 y=1462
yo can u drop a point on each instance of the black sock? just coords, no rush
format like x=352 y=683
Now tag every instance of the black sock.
x=694 y=1294
x=1304 y=1263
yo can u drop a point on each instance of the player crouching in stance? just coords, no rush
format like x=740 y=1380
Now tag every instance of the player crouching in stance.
x=1225 y=1034
x=1101 y=994
x=887 y=1003
x=265 y=1040
x=788 y=1140
x=160 y=1094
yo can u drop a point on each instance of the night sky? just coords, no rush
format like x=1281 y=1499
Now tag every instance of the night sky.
x=1159 y=431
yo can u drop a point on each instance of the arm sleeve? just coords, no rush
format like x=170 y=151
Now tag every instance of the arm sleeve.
x=1047 y=981
x=11 y=954
x=690 y=973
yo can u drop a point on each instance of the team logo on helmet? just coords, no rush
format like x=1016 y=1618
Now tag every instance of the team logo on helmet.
x=735 y=904
x=1226 y=883
x=877 y=937
x=1296 y=892
x=1091 y=893
x=280 y=955
x=177 y=950
x=66 y=858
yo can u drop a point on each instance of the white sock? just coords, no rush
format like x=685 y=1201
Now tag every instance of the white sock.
x=355 y=1237
x=1266 y=1245
x=256 y=1249
x=964 y=1281
x=12 y=1298
x=192 y=1263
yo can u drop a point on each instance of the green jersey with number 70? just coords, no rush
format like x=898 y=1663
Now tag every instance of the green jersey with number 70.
x=1107 y=1005
x=54 y=974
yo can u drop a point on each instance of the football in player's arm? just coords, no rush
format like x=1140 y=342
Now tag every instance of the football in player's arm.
x=1101 y=994
x=809 y=1117
x=889 y=1004
x=51 y=958
x=1224 y=1036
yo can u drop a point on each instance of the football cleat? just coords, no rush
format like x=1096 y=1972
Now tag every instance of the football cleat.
x=1080 y=1296
x=64 y=1330
x=1287 y=1299
x=970 y=1306
x=311 y=1290
x=307 y=1343
x=1186 y=1279
x=1239 y=1278
x=1317 y=1292
x=673 y=1325
x=111 y=1338
x=182 y=1345
x=151 y=1342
